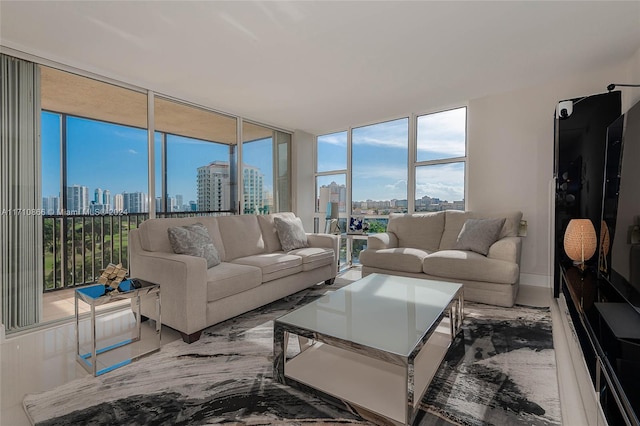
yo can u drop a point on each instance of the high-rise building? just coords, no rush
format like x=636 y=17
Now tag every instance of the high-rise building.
x=213 y=186
x=332 y=193
x=97 y=197
x=253 y=189
x=135 y=202
x=106 y=198
x=77 y=199
x=158 y=204
x=51 y=205
x=193 y=206
x=118 y=203
x=179 y=203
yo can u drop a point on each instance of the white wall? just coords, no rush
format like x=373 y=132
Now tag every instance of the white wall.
x=303 y=179
x=632 y=94
x=511 y=154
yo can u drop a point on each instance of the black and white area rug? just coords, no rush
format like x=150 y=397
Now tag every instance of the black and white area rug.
x=500 y=370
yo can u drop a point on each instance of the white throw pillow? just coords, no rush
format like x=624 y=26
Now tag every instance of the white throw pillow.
x=194 y=240
x=479 y=234
x=290 y=233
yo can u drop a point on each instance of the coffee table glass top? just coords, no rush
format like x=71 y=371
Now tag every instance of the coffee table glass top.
x=389 y=313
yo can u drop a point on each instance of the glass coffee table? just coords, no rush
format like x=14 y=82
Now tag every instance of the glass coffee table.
x=372 y=346
x=99 y=294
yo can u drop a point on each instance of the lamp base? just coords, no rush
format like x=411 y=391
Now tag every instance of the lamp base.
x=580 y=265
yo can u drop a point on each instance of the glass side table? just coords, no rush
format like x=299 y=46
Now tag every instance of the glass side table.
x=97 y=295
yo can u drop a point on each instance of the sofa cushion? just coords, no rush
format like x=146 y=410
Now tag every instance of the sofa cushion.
x=273 y=265
x=154 y=237
x=420 y=231
x=228 y=279
x=467 y=265
x=241 y=236
x=194 y=240
x=479 y=234
x=314 y=257
x=291 y=233
x=455 y=219
x=395 y=259
x=269 y=232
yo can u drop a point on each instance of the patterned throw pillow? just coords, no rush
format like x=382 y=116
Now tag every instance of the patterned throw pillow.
x=194 y=240
x=479 y=234
x=290 y=232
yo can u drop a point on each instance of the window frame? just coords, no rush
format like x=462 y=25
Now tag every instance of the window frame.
x=412 y=163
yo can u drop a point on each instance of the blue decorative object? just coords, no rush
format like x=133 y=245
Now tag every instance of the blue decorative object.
x=356 y=225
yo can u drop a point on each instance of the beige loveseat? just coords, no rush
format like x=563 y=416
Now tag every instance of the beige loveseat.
x=424 y=246
x=253 y=271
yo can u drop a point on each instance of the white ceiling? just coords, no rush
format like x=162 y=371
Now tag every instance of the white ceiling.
x=321 y=66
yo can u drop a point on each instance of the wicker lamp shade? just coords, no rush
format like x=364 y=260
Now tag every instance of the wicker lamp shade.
x=580 y=240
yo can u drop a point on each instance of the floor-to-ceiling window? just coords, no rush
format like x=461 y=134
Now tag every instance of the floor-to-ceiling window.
x=94 y=174
x=266 y=160
x=391 y=172
x=194 y=159
x=379 y=173
x=331 y=184
x=98 y=183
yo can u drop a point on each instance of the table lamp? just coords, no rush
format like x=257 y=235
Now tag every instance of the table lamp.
x=580 y=241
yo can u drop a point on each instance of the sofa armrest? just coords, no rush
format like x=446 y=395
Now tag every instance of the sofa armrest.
x=507 y=248
x=327 y=241
x=183 y=284
x=383 y=240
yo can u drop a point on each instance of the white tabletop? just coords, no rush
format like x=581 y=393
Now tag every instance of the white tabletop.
x=388 y=313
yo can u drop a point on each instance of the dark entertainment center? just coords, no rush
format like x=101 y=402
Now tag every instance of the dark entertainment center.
x=597 y=173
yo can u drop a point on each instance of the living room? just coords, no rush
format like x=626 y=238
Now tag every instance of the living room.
x=310 y=69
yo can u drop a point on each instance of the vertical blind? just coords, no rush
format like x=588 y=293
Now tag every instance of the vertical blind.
x=21 y=257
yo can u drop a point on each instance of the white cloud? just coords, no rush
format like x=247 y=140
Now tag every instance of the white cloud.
x=339 y=139
x=377 y=172
x=444 y=181
x=443 y=133
x=132 y=151
x=441 y=190
x=391 y=134
x=398 y=185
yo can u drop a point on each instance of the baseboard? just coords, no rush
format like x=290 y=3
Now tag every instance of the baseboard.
x=535 y=280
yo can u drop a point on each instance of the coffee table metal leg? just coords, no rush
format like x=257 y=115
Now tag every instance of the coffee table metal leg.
x=410 y=389
x=94 y=356
x=279 y=352
x=158 y=319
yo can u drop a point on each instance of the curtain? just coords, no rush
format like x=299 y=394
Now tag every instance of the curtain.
x=21 y=249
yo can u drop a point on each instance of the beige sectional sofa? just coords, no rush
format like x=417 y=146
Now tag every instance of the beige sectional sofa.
x=424 y=246
x=253 y=270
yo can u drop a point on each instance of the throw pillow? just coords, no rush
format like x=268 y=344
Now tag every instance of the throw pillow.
x=194 y=240
x=290 y=232
x=479 y=234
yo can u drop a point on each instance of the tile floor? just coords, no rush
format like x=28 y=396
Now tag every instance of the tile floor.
x=40 y=360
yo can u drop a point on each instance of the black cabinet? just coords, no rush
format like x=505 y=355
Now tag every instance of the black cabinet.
x=580 y=145
x=608 y=330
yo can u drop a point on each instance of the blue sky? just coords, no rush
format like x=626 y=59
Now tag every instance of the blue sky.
x=380 y=156
x=114 y=157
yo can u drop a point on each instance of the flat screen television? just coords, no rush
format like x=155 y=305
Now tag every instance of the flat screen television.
x=619 y=254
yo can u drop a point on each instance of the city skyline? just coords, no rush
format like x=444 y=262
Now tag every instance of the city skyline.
x=106 y=155
x=337 y=193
